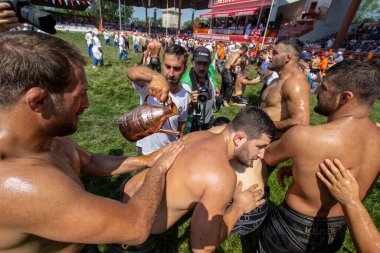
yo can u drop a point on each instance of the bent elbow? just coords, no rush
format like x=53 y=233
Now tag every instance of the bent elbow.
x=139 y=236
x=208 y=249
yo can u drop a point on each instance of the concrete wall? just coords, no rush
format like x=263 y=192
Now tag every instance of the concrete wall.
x=291 y=9
x=331 y=23
x=170 y=18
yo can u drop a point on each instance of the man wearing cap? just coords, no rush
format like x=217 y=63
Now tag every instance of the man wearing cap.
x=323 y=64
x=200 y=82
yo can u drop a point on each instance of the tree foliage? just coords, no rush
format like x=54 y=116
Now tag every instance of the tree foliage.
x=368 y=10
x=111 y=11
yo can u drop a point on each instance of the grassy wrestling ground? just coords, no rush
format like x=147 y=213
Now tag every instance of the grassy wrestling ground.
x=111 y=94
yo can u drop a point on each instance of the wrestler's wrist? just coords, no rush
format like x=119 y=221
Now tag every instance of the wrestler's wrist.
x=351 y=203
x=160 y=168
x=236 y=208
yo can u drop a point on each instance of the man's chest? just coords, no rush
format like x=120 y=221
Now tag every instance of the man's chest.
x=272 y=95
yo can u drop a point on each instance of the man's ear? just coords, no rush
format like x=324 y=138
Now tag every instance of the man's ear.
x=345 y=97
x=289 y=57
x=239 y=138
x=36 y=98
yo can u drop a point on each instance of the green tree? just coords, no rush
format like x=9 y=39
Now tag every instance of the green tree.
x=368 y=10
x=111 y=11
x=187 y=24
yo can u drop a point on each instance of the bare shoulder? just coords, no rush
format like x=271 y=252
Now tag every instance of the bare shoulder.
x=195 y=136
x=29 y=187
x=206 y=161
x=299 y=134
x=297 y=82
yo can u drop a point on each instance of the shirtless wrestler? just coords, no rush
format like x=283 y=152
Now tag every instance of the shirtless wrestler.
x=310 y=219
x=228 y=79
x=254 y=174
x=240 y=84
x=143 y=42
x=43 y=205
x=287 y=100
x=154 y=50
x=202 y=179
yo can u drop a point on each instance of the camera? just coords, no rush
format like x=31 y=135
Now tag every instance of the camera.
x=203 y=95
x=27 y=13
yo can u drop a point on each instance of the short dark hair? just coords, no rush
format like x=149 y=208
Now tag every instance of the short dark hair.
x=31 y=59
x=219 y=121
x=361 y=77
x=244 y=48
x=253 y=122
x=178 y=51
x=292 y=43
x=262 y=51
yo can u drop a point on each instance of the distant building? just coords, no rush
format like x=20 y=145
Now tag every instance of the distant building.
x=170 y=18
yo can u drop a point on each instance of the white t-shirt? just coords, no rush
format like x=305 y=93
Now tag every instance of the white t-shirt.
x=156 y=141
x=88 y=38
x=271 y=78
x=136 y=39
x=96 y=48
x=121 y=43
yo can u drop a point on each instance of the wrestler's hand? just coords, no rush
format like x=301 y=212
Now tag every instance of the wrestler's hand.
x=8 y=19
x=249 y=199
x=168 y=155
x=159 y=88
x=282 y=174
x=152 y=158
x=339 y=181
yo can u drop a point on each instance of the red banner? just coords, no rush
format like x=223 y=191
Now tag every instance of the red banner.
x=226 y=3
x=230 y=13
x=233 y=38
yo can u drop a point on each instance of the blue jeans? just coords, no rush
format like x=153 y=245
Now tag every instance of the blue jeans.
x=136 y=48
x=95 y=63
x=124 y=54
x=89 y=50
x=108 y=42
x=115 y=43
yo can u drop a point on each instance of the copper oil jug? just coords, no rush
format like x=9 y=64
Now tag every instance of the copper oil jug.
x=146 y=119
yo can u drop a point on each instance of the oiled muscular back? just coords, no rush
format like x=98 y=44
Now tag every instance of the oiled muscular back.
x=355 y=142
x=154 y=48
x=203 y=159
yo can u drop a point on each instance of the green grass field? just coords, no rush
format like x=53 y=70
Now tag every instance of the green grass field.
x=111 y=94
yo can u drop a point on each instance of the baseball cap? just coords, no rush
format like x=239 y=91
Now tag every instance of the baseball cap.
x=324 y=54
x=202 y=54
x=305 y=56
